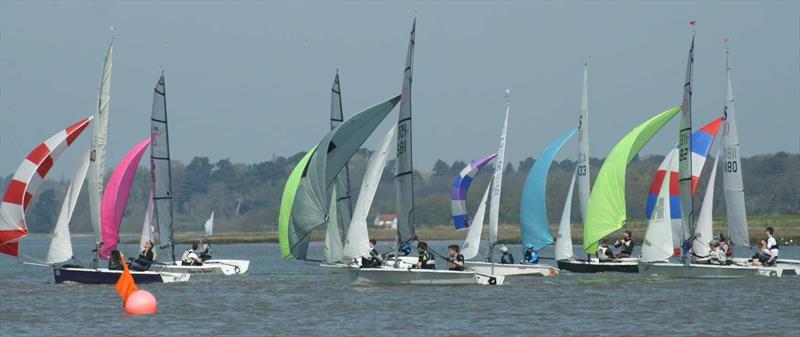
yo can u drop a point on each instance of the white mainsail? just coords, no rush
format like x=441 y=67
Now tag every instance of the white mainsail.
x=404 y=172
x=497 y=178
x=473 y=241
x=732 y=170
x=356 y=244
x=564 y=240
x=657 y=245
x=704 y=230
x=98 y=145
x=147 y=225
x=209 y=226
x=61 y=244
x=584 y=182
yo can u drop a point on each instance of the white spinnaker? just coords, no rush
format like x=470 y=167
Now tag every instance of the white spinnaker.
x=584 y=182
x=147 y=225
x=497 y=179
x=209 y=226
x=356 y=244
x=98 y=145
x=564 y=239
x=704 y=230
x=732 y=171
x=473 y=241
x=61 y=244
x=657 y=244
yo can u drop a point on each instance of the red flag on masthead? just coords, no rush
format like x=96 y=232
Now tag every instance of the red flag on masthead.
x=692 y=23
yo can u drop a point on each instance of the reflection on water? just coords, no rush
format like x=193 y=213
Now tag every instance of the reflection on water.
x=300 y=299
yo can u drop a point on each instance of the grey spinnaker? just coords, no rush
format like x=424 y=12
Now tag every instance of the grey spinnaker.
x=404 y=174
x=312 y=201
x=160 y=168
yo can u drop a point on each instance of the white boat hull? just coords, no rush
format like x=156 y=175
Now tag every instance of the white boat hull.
x=512 y=269
x=361 y=276
x=707 y=271
x=212 y=267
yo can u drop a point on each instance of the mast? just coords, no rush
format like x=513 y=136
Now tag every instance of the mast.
x=732 y=168
x=344 y=199
x=404 y=174
x=584 y=170
x=97 y=156
x=685 y=155
x=497 y=182
x=161 y=168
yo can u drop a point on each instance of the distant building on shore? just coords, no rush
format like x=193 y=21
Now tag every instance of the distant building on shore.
x=387 y=221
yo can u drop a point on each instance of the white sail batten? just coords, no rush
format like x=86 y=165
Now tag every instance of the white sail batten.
x=732 y=170
x=657 y=245
x=356 y=243
x=705 y=231
x=563 y=248
x=61 y=244
x=473 y=241
x=98 y=145
x=497 y=178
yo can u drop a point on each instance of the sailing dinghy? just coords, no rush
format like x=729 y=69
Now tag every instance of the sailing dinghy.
x=115 y=198
x=161 y=188
x=655 y=258
x=491 y=267
x=406 y=233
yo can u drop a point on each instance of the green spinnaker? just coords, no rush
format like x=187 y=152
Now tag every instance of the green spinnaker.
x=287 y=201
x=606 y=212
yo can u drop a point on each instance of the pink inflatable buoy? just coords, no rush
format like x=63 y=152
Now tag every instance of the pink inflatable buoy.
x=141 y=302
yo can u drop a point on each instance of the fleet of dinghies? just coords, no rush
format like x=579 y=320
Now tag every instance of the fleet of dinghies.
x=317 y=194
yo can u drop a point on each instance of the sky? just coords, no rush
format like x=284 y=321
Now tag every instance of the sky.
x=248 y=80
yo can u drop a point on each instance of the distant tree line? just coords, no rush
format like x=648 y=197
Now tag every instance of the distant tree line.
x=246 y=197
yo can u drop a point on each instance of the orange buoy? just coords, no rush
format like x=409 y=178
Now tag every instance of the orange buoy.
x=141 y=302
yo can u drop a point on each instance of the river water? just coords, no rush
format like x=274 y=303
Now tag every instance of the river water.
x=300 y=299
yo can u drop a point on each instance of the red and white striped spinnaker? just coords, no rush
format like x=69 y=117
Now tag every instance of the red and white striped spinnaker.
x=25 y=183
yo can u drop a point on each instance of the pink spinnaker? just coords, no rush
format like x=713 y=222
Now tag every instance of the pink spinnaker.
x=115 y=198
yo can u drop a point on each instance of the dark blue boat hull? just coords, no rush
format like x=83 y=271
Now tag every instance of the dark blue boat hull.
x=92 y=276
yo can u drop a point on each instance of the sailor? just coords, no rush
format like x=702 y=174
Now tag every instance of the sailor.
x=506 y=258
x=627 y=245
x=190 y=257
x=763 y=256
x=456 y=258
x=145 y=258
x=115 y=261
x=715 y=255
x=725 y=248
x=772 y=245
x=205 y=249
x=531 y=255
x=604 y=253
x=374 y=260
x=426 y=259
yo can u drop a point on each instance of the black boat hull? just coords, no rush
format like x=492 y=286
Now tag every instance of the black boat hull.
x=598 y=267
x=93 y=276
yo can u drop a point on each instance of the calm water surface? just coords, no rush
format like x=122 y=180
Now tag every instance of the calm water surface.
x=297 y=299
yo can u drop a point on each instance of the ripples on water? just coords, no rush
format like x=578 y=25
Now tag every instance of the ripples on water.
x=298 y=299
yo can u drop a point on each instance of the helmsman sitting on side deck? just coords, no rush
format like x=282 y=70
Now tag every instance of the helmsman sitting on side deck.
x=426 y=259
x=190 y=257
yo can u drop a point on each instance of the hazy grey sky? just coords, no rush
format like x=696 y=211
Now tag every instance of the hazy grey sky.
x=246 y=80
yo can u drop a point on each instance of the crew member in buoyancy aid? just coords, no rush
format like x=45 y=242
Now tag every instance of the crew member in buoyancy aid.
x=506 y=258
x=145 y=259
x=456 y=258
x=604 y=253
x=190 y=257
x=715 y=255
x=426 y=259
x=115 y=260
x=204 y=252
x=772 y=245
x=531 y=255
x=725 y=248
x=627 y=246
x=374 y=260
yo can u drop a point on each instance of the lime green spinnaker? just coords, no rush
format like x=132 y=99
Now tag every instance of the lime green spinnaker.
x=606 y=212
x=287 y=201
